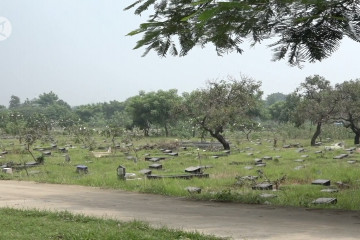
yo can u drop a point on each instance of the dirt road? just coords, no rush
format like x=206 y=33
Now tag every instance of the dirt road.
x=238 y=221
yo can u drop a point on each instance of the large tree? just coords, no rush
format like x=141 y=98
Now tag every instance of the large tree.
x=221 y=104
x=302 y=29
x=349 y=106
x=318 y=103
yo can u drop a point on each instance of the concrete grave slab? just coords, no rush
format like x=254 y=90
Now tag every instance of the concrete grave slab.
x=323 y=182
x=145 y=171
x=193 y=189
x=263 y=186
x=155 y=166
x=194 y=170
x=341 y=156
x=325 y=201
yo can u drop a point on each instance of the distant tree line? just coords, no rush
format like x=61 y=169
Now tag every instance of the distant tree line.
x=222 y=106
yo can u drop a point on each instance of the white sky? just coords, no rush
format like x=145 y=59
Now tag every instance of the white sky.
x=78 y=50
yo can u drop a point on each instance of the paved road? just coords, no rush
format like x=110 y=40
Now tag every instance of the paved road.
x=238 y=221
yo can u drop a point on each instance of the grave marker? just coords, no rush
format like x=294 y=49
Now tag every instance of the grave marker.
x=323 y=182
x=263 y=186
x=155 y=166
x=81 y=169
x=325 y=201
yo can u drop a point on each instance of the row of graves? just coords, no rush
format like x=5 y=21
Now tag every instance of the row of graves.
x=258 y=181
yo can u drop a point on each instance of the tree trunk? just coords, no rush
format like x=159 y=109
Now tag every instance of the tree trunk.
x=166 y=130
x=357 y=138
x=221 y=139
x=316 y=134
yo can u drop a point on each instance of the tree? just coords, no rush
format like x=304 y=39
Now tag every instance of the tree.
x=318 y=103
x=303 y=30
x=151 y=108
x=14 y=102
x=349 y=106
x=274 y=98
x=221 y=104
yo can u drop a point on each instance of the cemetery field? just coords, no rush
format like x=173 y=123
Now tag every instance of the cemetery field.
x=290 y=174
x=63 y=225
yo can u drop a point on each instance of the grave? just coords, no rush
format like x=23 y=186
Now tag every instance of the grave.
x=263 y=186
x=193 y=170
x=268 y=195
x=329 y=190
x=193 y=189
x=167 y=151
x=325 y=201
x=121 y=172
x=299 y=150
x=4 y=152
x=31 y=164
x=350 y=149
x=286 y=146
x=145 y=171
x=304 y=156
x=258 y=160
x=351 y=161
x=130 y=175
x=155 y=166
x=260 y=165
x=154 y=159
x=173 y=154
x=323 y=182
x=81 y=169
x=249 y=178
x=46 y=153
x=318 y=152
x=342 y=185
x=181 y=176
x=250 y=154
x=248 y=167
x=299 y=160
x=7 y=170
x=62 y=150
x=226 y=151
x=341 y=156
x=267 y=158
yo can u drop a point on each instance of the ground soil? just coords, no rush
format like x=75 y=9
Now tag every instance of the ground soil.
x=236 y=221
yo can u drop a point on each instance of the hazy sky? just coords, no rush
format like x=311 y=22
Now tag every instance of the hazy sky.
x=80 y=51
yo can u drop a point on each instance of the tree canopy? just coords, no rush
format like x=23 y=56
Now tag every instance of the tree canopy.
x=304 y=30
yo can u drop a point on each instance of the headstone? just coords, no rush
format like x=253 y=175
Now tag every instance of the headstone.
x=248 y=167
x=325 y=201
x=173 y=154
x=193 y=189
x=341 y=156
x=323 y=182
x=7 y=170
x=300 y=150
x=155 y=166
x=167 y=151
x=121 y=172
x=145 y=171
x=81 y=169
x=257 y=160
x=194 y=170
x=30 y=164
x=267 y=158
x=263 y=186
x=351 y=161
x=62 y=150
x=318 y=152
x=286 y=146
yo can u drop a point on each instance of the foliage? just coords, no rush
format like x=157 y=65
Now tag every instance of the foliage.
x=349 y=106
x=303 y=30
x=222 y=103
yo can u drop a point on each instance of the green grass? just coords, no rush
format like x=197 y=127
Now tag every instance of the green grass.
x=222 y=185
x=63 y=225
